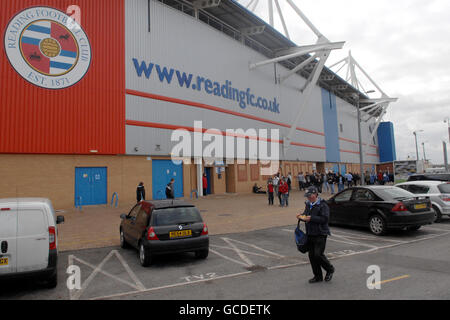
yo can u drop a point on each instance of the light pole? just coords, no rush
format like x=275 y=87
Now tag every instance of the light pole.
x=447 y=120
x=361 y=159
x=417 y=148
x=423 y=147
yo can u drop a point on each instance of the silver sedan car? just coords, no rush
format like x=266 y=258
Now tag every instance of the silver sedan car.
x=438 y=191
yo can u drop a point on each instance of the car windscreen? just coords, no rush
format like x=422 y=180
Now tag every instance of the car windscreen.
x=173 y=216
x=394 y=193
x=444 y=188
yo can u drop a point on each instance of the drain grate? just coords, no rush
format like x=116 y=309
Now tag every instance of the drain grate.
x=225 y=215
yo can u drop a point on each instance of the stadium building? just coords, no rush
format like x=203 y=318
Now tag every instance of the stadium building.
x=92 y=91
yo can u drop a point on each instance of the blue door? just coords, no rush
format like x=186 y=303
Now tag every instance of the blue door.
x=162 y=172
x=91 y=186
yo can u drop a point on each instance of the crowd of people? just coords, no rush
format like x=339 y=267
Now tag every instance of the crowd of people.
x=279 y=186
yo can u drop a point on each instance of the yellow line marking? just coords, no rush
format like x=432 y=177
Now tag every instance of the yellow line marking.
x=390 y=280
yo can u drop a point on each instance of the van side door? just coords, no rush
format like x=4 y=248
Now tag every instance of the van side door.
x=32 y=239
x=8 y=240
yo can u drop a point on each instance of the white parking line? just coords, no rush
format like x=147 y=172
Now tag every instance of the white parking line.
x=364 y=237
x=76 y=294
x=239 y=252
x=228 y=258
x=300 y=263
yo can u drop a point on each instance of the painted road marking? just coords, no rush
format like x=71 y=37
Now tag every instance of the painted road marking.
x=389 y=280
x=76 y=294
x=340 y=254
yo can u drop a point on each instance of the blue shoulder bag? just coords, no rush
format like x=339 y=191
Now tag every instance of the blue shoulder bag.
x=301 y=239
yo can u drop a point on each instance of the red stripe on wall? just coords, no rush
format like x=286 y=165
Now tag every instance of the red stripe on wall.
x=212 y=108
x=218 y=132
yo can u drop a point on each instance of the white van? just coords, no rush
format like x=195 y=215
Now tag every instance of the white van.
x=28 y=239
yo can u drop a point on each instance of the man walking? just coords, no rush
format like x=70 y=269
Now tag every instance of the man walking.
x=140 y=192
x=316 y=216
x=170 y=192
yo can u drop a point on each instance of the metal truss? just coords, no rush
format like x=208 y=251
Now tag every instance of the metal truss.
x=320 y=51
x=370 y=109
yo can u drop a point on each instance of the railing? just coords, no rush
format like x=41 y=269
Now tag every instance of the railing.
x=116 y=195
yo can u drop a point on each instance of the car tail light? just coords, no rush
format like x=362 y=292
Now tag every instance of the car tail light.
x=5 y=209
x=445 y=198
x=399 y=207
x=151 y=235
x=52 y=238
x=205 y=230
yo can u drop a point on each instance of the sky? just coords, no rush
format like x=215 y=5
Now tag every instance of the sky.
x=404 y=46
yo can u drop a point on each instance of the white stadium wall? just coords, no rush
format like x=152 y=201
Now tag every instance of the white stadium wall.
x=186 y=46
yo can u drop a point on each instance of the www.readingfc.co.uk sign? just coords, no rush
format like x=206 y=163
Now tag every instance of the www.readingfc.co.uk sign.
x=47 y=48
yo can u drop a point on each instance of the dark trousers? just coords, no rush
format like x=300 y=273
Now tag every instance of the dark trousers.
x=205 y=191
x=270 y=198
x=279 y=198
x=317 y=257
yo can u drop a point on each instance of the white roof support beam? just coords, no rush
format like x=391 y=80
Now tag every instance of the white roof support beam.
x=298 y=68
x=280 y=13
x=321 y=49
x=271 y=13
x=301 y=51
x=307 y=21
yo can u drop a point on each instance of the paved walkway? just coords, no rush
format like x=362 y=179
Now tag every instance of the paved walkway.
x=98 y=226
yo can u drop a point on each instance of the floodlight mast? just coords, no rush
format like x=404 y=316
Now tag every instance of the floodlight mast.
x=321 y=49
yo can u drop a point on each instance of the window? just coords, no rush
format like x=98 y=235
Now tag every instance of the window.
x=173 y=216
x=242 y=172
x=344 y=196
x=254 y=172
x=363 y=195
x=444 y=188
x=133 y=213
x=417 y=189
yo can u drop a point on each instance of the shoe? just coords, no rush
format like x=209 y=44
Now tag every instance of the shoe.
x=315 y=280
x=329 y=276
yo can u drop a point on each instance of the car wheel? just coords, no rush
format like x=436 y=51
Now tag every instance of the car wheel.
x=377 y=225
x=123 y=243
x=202 y=254
x=437 y=215
x=144 y=256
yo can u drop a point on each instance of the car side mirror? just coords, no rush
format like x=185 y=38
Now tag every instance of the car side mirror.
x=123 y=216
x=59 y=219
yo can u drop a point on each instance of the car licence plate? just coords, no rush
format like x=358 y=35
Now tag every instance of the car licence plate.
x=420 y=206
x=179 y=234
x=3 y=261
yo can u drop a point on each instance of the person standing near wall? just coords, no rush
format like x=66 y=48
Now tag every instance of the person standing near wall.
x=205 y=185
x=140 y=192
x=170 y=190
x=284 y=193
x=270 y=190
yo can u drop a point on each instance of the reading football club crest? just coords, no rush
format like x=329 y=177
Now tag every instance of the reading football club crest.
x=47 y=48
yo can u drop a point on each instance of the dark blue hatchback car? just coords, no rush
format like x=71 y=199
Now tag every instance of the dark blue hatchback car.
x=165 y=226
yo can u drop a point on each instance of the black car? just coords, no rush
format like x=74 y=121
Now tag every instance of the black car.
x=166 y=226
x=380 y=208
x=430 y=177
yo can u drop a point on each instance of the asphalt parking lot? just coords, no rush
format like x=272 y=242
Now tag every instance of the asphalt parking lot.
x=115 y=273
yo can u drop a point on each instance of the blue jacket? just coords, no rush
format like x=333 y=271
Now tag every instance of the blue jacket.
x=320 y=215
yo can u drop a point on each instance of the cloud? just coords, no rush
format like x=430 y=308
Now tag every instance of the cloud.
x=403 y=45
